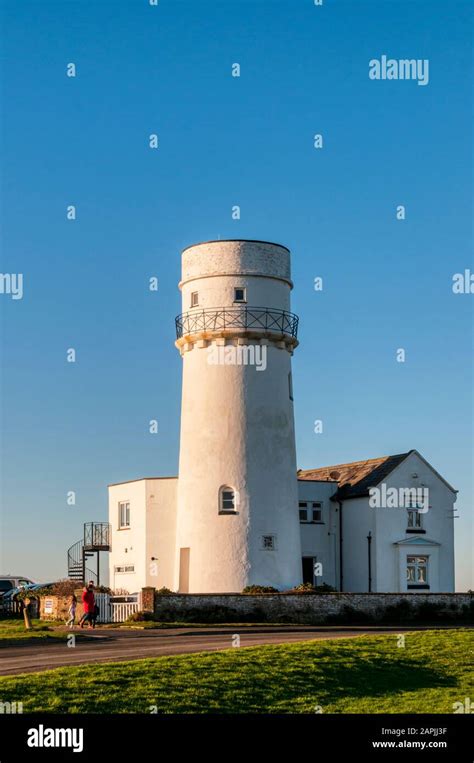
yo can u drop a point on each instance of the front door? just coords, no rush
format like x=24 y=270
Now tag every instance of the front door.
x=184 y=570
x=308 y=569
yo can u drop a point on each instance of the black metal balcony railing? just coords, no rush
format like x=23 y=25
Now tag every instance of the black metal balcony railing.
x=246 y=318
x=97 y=536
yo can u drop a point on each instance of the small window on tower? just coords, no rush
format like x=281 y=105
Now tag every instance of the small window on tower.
x=269 y=542
x=227 y=500
x=240 y=294
x=194 y=298
x=290 y=386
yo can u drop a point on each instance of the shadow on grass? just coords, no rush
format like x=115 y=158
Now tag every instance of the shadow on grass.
x=361 y=676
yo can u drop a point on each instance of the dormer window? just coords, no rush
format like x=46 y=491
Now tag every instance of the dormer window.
x=194 y=299
x=240 y=294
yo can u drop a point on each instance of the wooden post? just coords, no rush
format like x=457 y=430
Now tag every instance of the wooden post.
x=26 y=614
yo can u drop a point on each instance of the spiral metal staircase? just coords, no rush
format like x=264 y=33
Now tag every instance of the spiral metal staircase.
x=96 y=539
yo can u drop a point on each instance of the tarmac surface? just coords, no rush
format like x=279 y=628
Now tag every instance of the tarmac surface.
x=112 y=645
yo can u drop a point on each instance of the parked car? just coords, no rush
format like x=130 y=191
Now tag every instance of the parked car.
x=8 y=583
x=8 y=598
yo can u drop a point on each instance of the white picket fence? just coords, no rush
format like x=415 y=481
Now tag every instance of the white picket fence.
x=117 y=609
x=103 y=602
x=121 y=611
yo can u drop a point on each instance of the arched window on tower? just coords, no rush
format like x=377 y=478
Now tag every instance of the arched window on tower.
x=227 y=500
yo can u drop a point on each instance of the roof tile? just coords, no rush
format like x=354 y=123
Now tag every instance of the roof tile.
x=355 y=479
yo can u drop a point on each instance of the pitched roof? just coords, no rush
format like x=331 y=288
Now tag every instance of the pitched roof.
x=356 y=478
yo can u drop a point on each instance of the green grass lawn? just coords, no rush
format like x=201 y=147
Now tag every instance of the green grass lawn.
x=368 y=674
x=14 y=630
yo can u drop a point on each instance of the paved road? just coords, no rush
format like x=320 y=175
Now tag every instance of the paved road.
x=107 y=645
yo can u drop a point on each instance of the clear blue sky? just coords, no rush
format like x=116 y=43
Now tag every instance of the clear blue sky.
x=226 y=141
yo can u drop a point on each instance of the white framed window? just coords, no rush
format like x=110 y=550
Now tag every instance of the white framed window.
x=227 y=500
x=124 y=514
x=125 y=568
x=240 y=294
x=269 y=542
x=310 y=511
x=317 y=511
x=414 y=521
x=417 y=571
x=303 y=510
x=194 y=299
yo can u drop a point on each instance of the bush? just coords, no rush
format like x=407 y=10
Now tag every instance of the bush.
x=302 y=588
x=260 y=589
x=140 y=617
x=164 y=591
x=310 y=588
x=59 y=588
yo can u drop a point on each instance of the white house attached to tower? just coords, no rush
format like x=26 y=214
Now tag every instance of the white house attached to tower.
x=239 y=513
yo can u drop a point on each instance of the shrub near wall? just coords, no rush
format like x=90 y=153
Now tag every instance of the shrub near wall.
x=316 y=609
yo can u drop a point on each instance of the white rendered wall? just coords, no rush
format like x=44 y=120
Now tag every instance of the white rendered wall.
x=321 y=540
x=391 y=525
x=388 y=527
x=161 y=496
x=152 y=533
x=128 y=544
x=358 y=519
x=237 y=429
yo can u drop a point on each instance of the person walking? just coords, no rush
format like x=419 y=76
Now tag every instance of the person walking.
x=95 y=613
x=72 y=612
x=88 y=602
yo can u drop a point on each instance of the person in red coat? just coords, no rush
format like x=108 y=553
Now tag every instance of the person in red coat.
x=88 y=603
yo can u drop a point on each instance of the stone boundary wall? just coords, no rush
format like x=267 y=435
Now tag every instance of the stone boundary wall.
x=60 y=606
x=311 y=608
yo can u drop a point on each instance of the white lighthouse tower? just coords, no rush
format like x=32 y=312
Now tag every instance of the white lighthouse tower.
x=237 y=516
